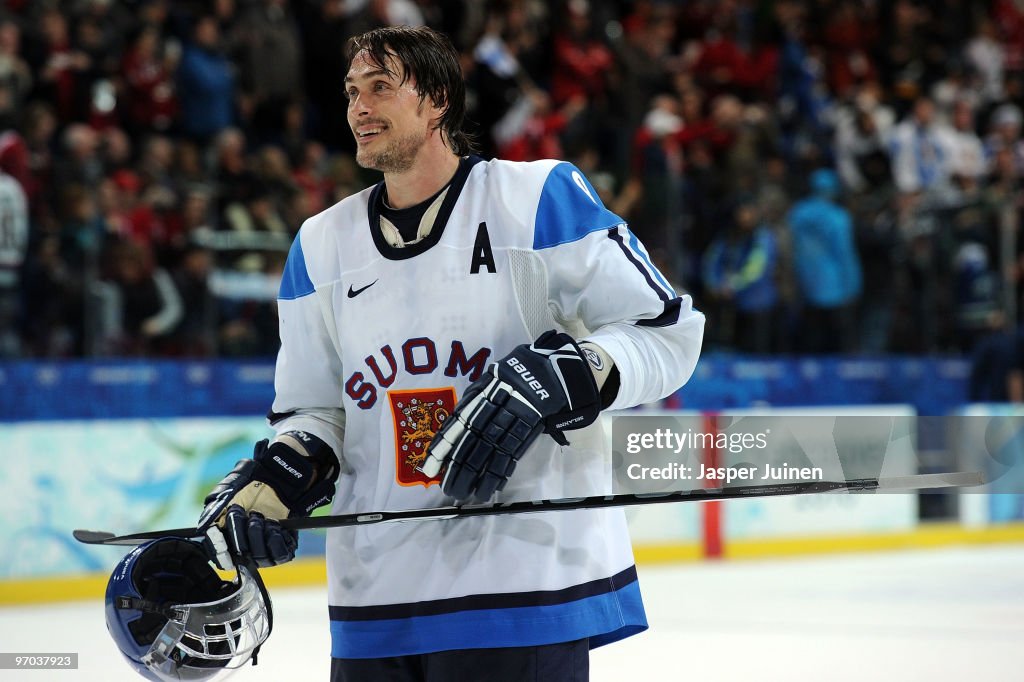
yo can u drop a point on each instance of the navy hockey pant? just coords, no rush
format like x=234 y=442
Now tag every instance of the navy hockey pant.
x=566 y=662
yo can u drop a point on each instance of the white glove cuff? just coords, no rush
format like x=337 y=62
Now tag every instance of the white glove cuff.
x=599 y=361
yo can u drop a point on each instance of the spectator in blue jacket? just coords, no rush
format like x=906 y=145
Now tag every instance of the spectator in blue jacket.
x=739 y=270
x=206 y=83
x=827 y=265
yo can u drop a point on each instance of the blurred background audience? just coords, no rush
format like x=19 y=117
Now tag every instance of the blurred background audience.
x=824 y=176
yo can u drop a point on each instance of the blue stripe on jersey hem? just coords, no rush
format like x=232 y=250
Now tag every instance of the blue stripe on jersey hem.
x=604 y=618
x=295 y=281
x=569 y=209
x=509 y=600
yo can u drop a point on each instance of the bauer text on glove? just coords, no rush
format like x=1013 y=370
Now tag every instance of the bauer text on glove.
x=546 y=386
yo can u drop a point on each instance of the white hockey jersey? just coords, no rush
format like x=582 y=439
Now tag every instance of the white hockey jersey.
x=378 y=343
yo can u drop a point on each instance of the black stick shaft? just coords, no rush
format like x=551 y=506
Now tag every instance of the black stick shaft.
x=914 y=482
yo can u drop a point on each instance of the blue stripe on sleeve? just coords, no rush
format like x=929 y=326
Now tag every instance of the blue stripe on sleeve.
x=634 y=244
x=636 y=259
x=295 y=282
x=604 y=618
x=569 y=209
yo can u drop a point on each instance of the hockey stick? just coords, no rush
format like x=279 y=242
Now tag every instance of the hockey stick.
x=913 y=482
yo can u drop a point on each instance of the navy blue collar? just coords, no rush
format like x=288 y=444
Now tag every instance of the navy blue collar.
x=390 y=252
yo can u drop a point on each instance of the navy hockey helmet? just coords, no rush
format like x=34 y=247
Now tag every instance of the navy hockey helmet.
x=174 y=618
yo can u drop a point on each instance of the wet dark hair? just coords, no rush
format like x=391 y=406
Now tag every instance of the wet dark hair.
x=428 y=57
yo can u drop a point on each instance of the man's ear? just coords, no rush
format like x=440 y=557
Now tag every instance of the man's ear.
x=427 y=102
x=435 y=120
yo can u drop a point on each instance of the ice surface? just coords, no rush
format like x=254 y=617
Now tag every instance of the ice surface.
x=935 y=616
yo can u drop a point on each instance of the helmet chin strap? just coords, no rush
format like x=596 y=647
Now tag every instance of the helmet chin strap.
x=250 y=566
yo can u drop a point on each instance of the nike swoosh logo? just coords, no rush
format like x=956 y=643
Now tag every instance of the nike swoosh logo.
x=352 y=293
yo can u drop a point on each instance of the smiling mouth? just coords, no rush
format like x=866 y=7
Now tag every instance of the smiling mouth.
x=369 y=134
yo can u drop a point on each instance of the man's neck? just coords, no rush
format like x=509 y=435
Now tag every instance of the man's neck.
x=429 y=174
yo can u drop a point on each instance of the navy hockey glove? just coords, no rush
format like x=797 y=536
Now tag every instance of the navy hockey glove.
x=289 y=477
x=546 y=386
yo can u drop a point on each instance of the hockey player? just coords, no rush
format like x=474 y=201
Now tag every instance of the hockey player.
x=510 y=286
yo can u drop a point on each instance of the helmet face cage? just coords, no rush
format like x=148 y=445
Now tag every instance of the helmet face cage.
x=174 y=618
x=222 y=633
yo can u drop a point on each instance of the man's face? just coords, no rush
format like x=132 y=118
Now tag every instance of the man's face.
x=963 y=117
x=389 y=121
x=924 y=111
x=746 y=217
x=207 y=33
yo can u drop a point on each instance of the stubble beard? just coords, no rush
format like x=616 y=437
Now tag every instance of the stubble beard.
x=397 y=157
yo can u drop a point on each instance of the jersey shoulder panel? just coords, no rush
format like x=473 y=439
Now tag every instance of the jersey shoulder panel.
x=569 y=208
x=524 y=173
x=551 y=198
x=507 y=193
x=309 y=259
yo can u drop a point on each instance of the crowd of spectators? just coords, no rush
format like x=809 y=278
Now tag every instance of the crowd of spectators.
x=822 y=175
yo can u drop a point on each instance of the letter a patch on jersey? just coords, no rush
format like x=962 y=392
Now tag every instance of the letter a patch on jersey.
x=417 y=414
x=483 y=256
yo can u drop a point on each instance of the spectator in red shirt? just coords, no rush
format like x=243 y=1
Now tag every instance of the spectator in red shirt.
x=149 y=83
x=538 y=135
x=723 y=65
x=124 y=212
x=59 y=65
x=309 y=176
x=581 y=61
x=1009 y=19
x=849 y=38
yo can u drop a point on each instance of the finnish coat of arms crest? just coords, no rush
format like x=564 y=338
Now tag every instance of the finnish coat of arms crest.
x=418 y=414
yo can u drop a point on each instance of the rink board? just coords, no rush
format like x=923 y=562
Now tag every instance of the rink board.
x=139 y=474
